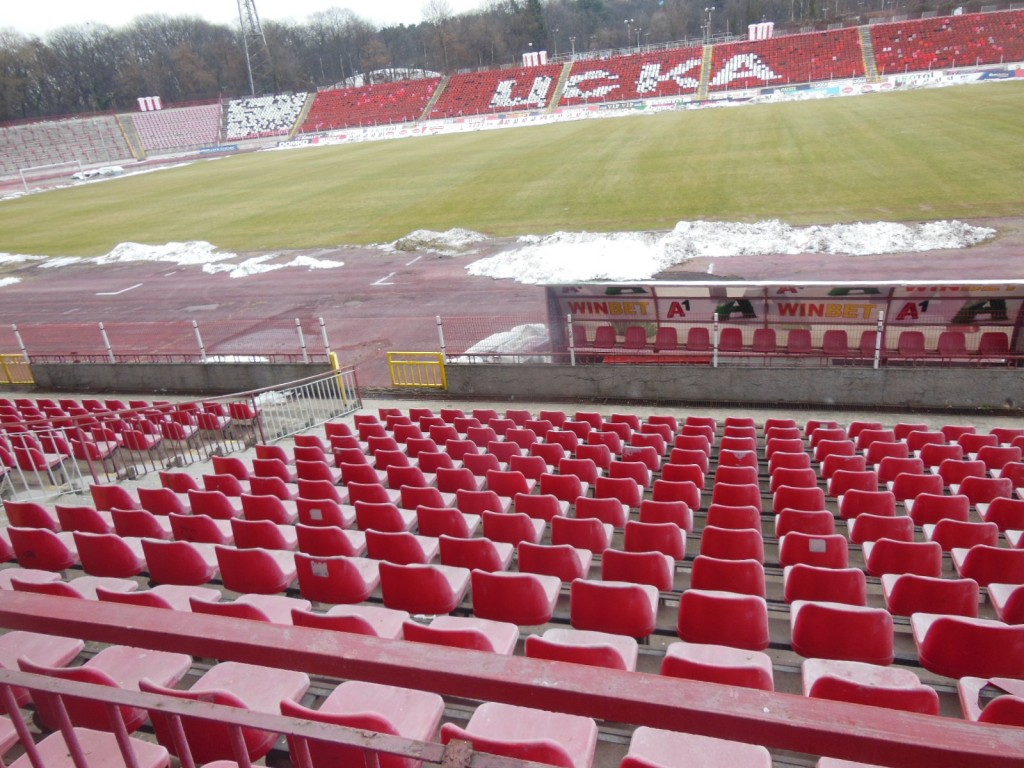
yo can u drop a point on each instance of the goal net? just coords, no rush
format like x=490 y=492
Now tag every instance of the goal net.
x=37 y=176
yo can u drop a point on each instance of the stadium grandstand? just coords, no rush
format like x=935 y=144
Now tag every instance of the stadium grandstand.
x=459 y=583
x=874 y=56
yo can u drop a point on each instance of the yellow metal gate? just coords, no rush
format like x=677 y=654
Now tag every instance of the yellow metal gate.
x=15 y=369
x=417 y=369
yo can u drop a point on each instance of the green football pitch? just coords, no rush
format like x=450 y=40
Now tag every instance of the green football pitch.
x=944 y=153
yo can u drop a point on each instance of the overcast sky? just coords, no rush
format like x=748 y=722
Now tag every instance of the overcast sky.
x=38 y=18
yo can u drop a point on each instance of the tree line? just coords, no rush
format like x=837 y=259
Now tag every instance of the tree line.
x=95 y=68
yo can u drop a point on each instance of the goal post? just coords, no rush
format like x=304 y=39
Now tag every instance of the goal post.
x=40 y=174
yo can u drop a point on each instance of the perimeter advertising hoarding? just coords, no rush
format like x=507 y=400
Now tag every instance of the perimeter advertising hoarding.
x=965 y=306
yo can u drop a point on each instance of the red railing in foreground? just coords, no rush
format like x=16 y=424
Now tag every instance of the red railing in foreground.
x=775 y=720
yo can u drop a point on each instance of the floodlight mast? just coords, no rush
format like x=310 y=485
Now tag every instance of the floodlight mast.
x=254 y=44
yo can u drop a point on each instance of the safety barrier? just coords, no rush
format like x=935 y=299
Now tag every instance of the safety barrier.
x=15 y=369
x=64 y=453
x=417 y=369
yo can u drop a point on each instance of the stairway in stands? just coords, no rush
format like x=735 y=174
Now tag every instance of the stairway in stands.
x=131 y=136
x=559 y=87
x=425 y=115
x=705 y=73
x=301 y=119
x=867 y=48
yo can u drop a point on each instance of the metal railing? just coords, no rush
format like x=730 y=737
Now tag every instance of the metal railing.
x=15 y=369
x=418 y=369
x=63 y=454
x=176 y=712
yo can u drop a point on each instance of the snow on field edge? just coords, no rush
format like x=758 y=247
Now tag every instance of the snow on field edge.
x=576 y=256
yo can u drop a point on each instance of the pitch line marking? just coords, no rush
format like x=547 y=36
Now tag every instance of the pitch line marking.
x=382 y=280
x=410 y=263
x=123 y=290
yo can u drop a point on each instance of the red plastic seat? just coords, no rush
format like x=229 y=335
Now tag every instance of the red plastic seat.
x=215 y=504
x=685 y=473
x=172 y=597
x=909 y=593
x=382 y=516
x=740 y=576
x=1007 y=514
x=824 y=630
x=875 y=503
x=616 y=607
x=83 y=518
x=951 y=534
x=161 y=501
x=891 y=556
x=107 y=554
x=988 y=565
x=520 y=598
x=650 y=747
x=105 y=497
x=714 y=617
x=1007 y=601
x=822 y=551
x=465 y=632
x=817 y=523
x=246 y=686
x=736 y=495
x=29 y=514
x=667 y=538
x=400 y=547
x=329 y=540
x=116 y=666
x=229 y=485
x=718 y=664
x=512 y=527
x=583 y=533
x=179 y=562
x=258 y=571
x=727 y=516
x=732 y=543
x=563 y=487
x=337 y=579
x=654 y=568
x=435 y=521
x=960 y=646
x=554 y=738
x=423 y=589
x=835 y=585
x=842 y=481
x=997 y=700
x=479 y=502
x=580 y=646
x=358 y=619
x=983 y=490
x=562 y=560
x=869 y=684
x=324 y=513
x=687 y=492
x=803 y=477
x=931 y=508
x=370 y=707
x=42 y=549
x=607 y=510
x=542 y=506
x=269 y=508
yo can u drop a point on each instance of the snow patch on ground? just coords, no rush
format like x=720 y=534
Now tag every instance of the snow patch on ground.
x=63 y=261
x=5 y=281
x=450 y=243
x=578 y=256
x=193 y=253
x=258 y=265
x=18 y=258
x=498 y=347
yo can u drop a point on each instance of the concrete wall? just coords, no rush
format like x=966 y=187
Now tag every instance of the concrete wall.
x=846 y=386
x=177 y=378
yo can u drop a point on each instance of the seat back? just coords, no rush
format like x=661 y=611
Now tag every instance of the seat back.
x=252 y=570
x=526 y=599
x=829 y=551
x=105 y=497
x=561 y=560
x=333 y=580
x=41 y=548
x=435 y=521
x=845 y=632
x=176 y=562
x=29 y=514
x=423 y=589
x=583 y=533
x=959 y=646
x=732 y=543
x=745 y=577
x=612 y=606
x=652 y=568
x=667 y=538
x=909 y=593
x=891 y=556
x=592 y=652
x=723 y=618
x=82 y=518
x=138 y=523
x=834 y=585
